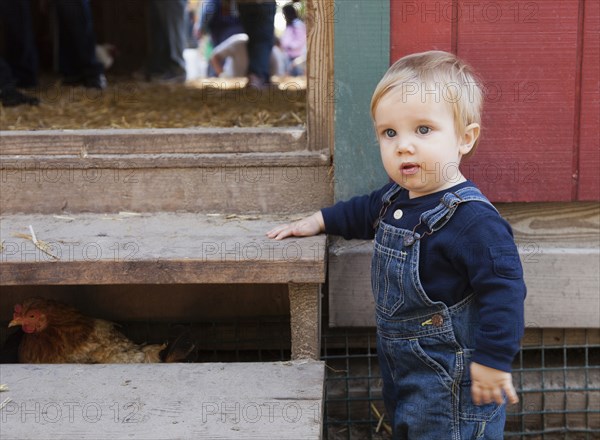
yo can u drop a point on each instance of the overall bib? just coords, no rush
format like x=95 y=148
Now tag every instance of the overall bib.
x=424 y=347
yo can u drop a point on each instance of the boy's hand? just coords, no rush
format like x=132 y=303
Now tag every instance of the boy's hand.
x=488 y=384
x=306 y=227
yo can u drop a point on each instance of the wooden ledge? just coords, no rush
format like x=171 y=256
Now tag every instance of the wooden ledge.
x=155 y=248
x=164 y=401
x=153 y=141
x=560 y=252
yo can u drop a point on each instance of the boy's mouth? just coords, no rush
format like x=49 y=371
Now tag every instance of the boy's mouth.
x=409 y=168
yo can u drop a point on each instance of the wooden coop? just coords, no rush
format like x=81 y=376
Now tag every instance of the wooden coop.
x=158 y=226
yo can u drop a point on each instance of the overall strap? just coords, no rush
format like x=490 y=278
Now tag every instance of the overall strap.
x=391 y=194
x=387 y=199
x=437 y=217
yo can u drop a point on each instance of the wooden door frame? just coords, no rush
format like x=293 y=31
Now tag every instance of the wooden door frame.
x=319 y=97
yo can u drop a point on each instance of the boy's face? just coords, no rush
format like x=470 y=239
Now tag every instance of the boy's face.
x=420 y=148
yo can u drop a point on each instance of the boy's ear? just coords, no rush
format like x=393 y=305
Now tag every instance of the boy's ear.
x=470 y=136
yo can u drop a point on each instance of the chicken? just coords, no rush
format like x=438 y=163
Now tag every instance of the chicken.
x=55 y=332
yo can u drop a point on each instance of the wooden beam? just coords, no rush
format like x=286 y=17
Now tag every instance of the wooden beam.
x=152 y=141
x=320 y=19
x=243 y=184
x=305 y=306
x=48 y=166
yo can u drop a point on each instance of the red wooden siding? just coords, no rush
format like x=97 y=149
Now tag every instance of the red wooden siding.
x=589 y=142
x=539 y=64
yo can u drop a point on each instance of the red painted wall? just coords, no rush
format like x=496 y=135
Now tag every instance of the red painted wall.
x=539 y=61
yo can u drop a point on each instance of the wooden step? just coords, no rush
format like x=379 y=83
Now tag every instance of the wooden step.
x=152 y=141
x=155 y=248
x=167 y=249
x=210 y=170
x=560 y=252
x=163 y=401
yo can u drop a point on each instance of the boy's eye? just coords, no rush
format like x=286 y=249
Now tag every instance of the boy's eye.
x=423 y=129
x=390 y=133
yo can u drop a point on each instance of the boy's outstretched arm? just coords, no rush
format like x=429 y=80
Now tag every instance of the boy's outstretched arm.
x=311 y=225
x=488 y=385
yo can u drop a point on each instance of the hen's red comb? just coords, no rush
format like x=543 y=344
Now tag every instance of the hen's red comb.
x=18 y=308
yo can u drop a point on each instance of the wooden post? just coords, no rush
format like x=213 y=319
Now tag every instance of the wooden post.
x=305 y=311
x=320 y=18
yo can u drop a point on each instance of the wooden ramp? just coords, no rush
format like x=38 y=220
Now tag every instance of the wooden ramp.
x=164 y=401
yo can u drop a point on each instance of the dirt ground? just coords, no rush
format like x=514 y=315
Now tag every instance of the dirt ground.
x=133 y=104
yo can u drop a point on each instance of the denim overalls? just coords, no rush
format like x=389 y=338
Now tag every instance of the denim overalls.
x=424 y=347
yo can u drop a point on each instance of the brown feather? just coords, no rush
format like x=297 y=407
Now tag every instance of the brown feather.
x=71 y=337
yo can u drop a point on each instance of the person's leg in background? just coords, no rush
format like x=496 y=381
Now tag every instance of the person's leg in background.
x=9 y=95
x=78 y=62
x=169 y=39
x=21 y=52
x=258 y=22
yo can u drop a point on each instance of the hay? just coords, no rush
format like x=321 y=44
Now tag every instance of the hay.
x=131 y=104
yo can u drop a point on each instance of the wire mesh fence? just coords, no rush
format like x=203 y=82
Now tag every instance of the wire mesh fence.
x=557 y=376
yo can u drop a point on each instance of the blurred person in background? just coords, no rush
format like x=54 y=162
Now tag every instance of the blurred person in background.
x=9 y=95
x=230 y=58
x=77 y=43
x=219 y=19
x=166 y=41
x=258 y=17
x=293 y=40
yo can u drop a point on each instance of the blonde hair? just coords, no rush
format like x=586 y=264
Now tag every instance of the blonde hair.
x=439 y=73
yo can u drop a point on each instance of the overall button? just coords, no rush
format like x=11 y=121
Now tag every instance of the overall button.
x=398 y=214
x=437 y=320
x=409 y=240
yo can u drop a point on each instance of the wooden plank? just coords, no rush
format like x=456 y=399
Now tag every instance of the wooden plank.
x=559 y=248
x=232 y=186
x=361 y=59
x=538 y=337
x=152 y=141
x=158 y=248
x=305 y=312
x=589 y=137
x=554 y=224
x=351 y=302
x=320 y=18
x=165 y=401
x=50 y=165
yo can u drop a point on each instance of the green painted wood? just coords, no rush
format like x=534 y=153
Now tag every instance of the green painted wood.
x=362 y=48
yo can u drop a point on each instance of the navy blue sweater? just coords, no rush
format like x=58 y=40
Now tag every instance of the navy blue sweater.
x=474 y=251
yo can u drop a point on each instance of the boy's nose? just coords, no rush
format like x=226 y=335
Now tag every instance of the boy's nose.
x=404 y=145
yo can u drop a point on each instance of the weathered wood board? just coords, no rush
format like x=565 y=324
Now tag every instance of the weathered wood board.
x=156 y=248
x=320 y=94
x=560 y=252
x=258 y=182
x=197 y=140
x=164 y=401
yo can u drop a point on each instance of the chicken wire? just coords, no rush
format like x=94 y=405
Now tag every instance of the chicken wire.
x=557 y=376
